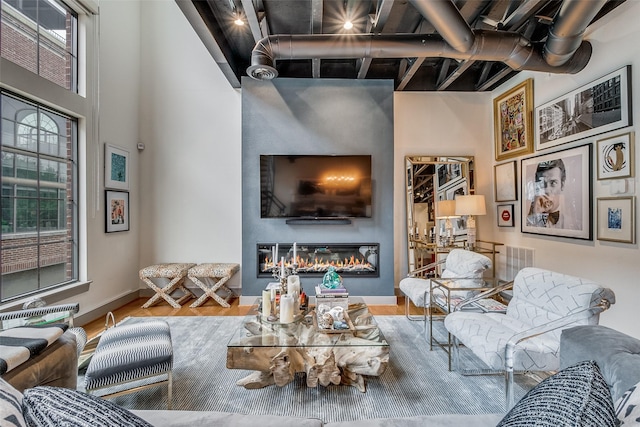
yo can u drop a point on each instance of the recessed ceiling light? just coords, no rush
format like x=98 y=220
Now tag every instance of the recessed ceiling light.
x=239 y=22
x=348 y=25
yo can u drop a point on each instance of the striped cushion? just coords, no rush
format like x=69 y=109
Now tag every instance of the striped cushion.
x=130 y=352
x=10 y=406
x=17 y=345
x=52 y=406
x=576 y=396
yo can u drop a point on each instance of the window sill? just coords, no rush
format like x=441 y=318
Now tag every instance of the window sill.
x=51 y=296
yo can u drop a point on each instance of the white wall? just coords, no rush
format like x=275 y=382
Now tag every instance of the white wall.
x=190 y=170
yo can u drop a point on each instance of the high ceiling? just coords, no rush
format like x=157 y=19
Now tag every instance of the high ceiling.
x=422 y=45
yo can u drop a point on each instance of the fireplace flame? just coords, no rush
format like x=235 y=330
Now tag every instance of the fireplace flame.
x=317 y=265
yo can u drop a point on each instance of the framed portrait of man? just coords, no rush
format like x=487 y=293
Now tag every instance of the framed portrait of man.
x=556 y=193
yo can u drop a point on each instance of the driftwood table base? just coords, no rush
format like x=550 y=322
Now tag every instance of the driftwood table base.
x=278 y=352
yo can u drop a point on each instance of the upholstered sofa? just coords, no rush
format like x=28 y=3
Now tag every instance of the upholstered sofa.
x=618 y=363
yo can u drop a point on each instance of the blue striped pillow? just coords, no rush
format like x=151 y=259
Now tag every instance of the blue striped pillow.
x=576 y=396
x=52 y=406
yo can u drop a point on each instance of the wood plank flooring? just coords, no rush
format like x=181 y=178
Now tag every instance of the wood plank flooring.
x=210 y=308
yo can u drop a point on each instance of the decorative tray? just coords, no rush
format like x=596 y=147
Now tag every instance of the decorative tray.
x=347 y=320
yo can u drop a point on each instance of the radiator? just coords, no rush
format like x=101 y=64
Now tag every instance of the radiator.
x=517 y=259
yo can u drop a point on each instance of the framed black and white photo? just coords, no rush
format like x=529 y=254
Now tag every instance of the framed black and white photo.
x=448 y=173
x=505 y=216
x=598 y=107
x=616 y=219
x=116 y=167
x=505 y=185
x=556 y=193
x=615 y=156
x=457 y=189
x=117 y=211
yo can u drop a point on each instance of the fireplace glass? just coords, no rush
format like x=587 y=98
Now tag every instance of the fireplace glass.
x=349 y=259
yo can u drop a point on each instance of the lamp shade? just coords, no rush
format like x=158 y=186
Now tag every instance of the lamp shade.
x=470 y=205
x=445 y=208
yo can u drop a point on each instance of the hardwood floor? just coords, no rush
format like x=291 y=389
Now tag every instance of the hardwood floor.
x=210 y=308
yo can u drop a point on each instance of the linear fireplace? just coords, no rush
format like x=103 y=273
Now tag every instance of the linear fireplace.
x=349 y=259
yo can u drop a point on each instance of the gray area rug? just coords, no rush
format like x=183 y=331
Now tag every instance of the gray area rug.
x=416 y=382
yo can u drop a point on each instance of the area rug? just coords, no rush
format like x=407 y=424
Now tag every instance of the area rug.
x=416 y=382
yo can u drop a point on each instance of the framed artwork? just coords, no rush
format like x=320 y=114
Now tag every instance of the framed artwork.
x=616 y=219
x=459 y=188
x=556 y=193
x=505 y=185
x=598 y=107
x=505 y=216
x=117 y=211
x=615 y=156
x=116 y=167
x=448 y=173
x=513 y=121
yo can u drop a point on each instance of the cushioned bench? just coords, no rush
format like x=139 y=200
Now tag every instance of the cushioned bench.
x=129 y=353
x=211 y=278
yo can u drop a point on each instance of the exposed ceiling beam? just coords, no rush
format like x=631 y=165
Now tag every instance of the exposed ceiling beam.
x=252 y=19
x=462 y=67
x=410 y=73
x=494 y=79
x=376 y=25
x=317 y=9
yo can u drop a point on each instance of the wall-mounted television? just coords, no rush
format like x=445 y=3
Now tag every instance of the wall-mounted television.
x=315 y=186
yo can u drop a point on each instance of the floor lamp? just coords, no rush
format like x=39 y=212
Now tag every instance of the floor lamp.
x=470 y=206
x=446 y=209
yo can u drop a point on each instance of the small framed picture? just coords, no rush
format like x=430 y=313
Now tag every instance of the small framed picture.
x=116 y=167
x=616 y=219
x=117 y=211
x=505 y=216
x=615 y=156
x=506 y=187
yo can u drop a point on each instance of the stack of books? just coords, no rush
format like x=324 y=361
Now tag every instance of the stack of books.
x=332 y=297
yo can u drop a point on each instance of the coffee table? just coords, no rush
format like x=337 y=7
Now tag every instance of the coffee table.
x=276 y=351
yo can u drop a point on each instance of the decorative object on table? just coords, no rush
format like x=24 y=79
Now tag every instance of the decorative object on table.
x=446 y=209
x=556 y=193
x=471 y=206
x=506 y=186
x=597 y=107
x=331 y=279
x=117 y=209
x=505 y=216
x=616 y=219
x=513 y=121
x=615 y=156
x=116 y=167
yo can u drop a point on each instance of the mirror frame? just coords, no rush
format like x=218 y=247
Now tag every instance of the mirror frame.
x=448 y=178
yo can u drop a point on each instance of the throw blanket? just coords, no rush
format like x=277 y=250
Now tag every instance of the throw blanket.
x=17 y=345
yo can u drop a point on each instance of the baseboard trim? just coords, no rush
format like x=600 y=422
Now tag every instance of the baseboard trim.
x=104 y=309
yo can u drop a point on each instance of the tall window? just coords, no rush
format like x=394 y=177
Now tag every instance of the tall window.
x=41 y=36
x=39 y=197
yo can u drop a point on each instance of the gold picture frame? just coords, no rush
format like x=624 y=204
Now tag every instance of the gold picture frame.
x=513 y=121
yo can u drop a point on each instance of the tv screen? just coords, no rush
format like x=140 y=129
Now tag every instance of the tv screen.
x=315 y=186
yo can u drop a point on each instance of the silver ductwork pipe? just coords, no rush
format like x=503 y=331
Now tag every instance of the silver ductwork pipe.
x=565 y=35
x=448 y=22
x=507 y=47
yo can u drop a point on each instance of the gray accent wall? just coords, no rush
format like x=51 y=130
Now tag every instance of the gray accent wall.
x=307 y=116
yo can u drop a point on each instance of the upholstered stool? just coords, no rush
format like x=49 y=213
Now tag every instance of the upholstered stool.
x=132 y=352
x=175 y=273
x=214 y=276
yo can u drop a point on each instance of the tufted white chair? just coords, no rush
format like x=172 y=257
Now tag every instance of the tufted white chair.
x=527 y=336
x=459 y=264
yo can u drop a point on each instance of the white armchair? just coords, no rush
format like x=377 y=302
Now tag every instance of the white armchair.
x=527 y=337
x=459 y=264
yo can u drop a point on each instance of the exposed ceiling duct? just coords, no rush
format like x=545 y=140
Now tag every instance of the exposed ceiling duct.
x=563 y=52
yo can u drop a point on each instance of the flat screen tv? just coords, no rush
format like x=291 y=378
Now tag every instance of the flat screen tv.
x=315 y=186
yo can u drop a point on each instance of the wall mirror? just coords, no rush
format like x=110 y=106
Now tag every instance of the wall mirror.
x=430 y=179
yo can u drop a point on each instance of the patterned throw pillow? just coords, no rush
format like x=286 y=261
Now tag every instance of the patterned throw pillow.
x=575 y=396
x=10 y=406
x=628 y=407
x=53 y=406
